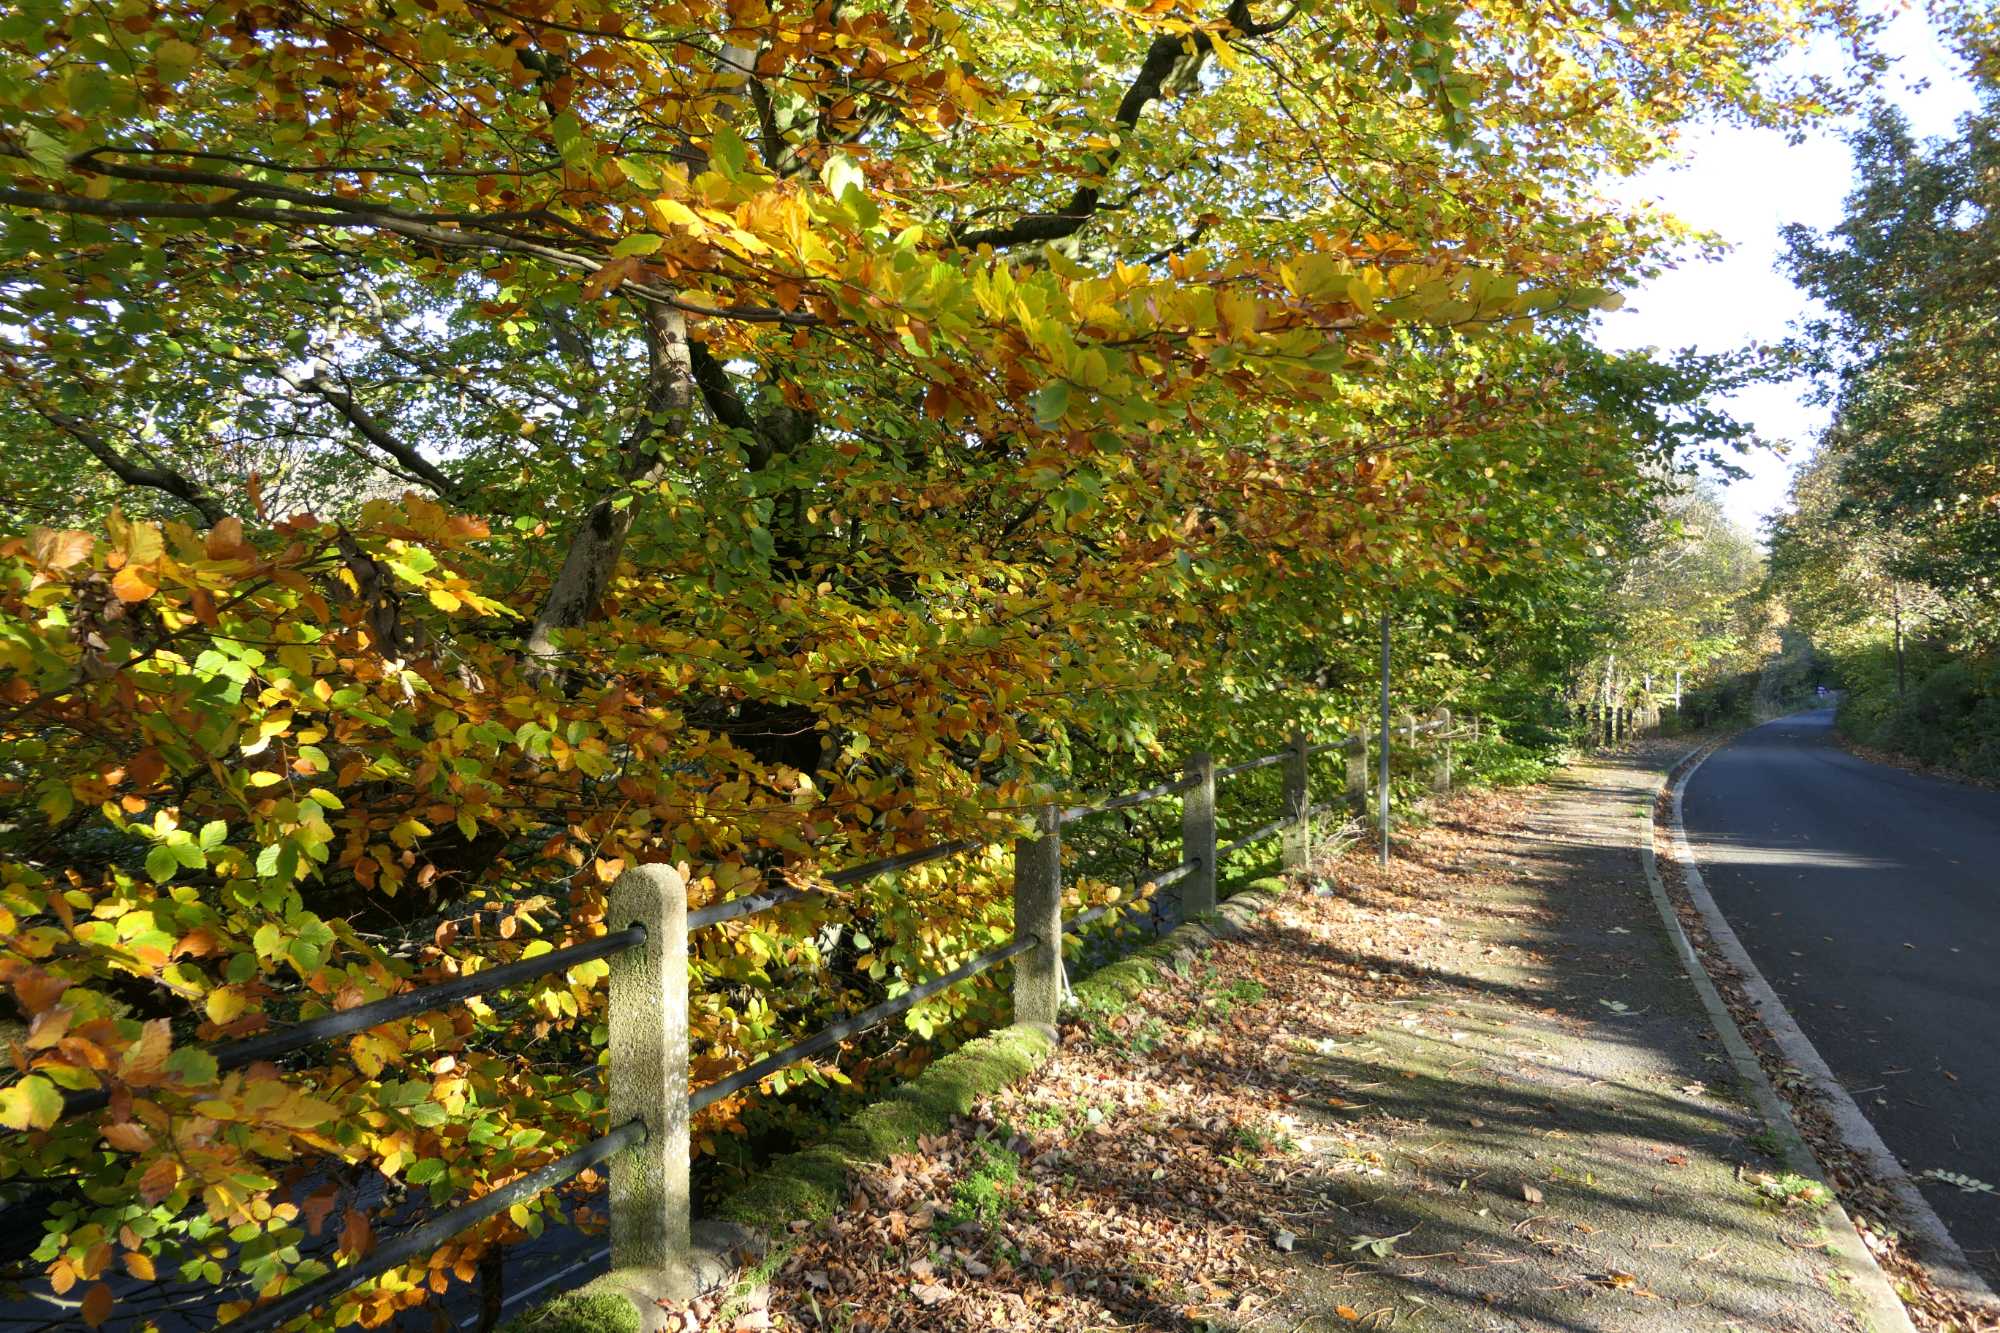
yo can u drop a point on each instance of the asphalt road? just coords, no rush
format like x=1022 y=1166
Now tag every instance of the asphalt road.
x=1870 y=899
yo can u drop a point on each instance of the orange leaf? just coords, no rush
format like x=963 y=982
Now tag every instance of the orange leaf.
x=133 y=585
x=126 y=1136
x=225 y=539
x=139 y=1264
x=159 y=1180
x=356 y=1236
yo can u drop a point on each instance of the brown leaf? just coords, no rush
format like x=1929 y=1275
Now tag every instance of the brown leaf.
x=1531 y=1194
x=97 y=1305
x=60 y=549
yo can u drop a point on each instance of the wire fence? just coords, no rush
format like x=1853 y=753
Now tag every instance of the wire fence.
x=651 y=1102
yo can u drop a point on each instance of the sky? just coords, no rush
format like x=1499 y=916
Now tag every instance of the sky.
x=1745 y=184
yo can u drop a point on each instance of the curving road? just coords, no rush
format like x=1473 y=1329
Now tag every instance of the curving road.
x=1870 y=899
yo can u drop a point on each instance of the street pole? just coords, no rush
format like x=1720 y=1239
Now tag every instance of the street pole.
x=1382 y=794
x=1896 y=602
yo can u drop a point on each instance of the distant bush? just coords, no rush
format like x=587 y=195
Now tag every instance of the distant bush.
x=1947 y=714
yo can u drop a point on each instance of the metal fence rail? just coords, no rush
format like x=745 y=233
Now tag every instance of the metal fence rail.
x=650 y=1096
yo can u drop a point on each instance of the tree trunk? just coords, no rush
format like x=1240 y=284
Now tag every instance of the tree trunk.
x=597 y=542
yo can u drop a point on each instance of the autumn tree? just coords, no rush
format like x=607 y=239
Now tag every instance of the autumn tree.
x=459 y=450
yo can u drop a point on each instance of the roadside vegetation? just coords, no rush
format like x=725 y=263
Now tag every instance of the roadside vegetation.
x=1890 y=560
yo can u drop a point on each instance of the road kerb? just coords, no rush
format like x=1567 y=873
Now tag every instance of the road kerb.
x=1873 y=1293
x=1933 y=1241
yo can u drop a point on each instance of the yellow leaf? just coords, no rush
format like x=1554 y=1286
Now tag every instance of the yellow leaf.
x=223 y=1006
x=443 y=599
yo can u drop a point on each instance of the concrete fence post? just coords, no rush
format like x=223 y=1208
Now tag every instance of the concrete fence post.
x=1357 y=772
x=1441 y=776
x=648 y=1047
x=1296 y=840
x=1038 y=973
x=1198 y=837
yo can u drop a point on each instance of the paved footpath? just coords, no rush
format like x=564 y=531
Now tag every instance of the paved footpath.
x=1560 y=1139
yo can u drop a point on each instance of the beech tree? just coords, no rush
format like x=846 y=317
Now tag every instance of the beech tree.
x=461 y=449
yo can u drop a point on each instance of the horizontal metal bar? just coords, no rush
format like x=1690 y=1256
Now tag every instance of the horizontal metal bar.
x=1082 y=919
x=903 y=861
x=1255 y=835
x=848 y=1027
x=1179 y=784
x=421 y=1242
x=749 y=904
x=1261 y=761
x=1159 y=880
x=283 y=1041
x=1356 y=742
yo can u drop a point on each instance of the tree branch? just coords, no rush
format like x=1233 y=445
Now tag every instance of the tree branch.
x=176 y=484
x=372 y=430
x=1147 y=86
x=598 y=542
x=361 y=217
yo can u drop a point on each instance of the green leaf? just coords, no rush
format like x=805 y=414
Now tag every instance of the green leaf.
x=424 y=1172
x=643 y=243
x=1051 y=403
x=726 y=152
x=161 y=863
x=193 y=1066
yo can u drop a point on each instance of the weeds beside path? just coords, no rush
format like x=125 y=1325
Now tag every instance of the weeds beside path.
x=1472 y=1091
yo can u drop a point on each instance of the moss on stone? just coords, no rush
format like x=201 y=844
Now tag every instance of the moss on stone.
x=581 y=1311
x=808 y=1184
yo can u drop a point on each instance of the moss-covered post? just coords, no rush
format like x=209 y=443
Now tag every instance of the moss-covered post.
x=1441 y=774
x=1198 y=837
x=650 y=1199
x=1296 y=841
x=1357 y=773
x=1038 y=973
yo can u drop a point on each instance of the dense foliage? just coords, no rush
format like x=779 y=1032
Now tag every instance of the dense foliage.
x=457 y=451
x=1890 y=560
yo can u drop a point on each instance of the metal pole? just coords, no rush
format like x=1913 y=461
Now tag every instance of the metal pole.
x=1382 y=795
x=1896 y=603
